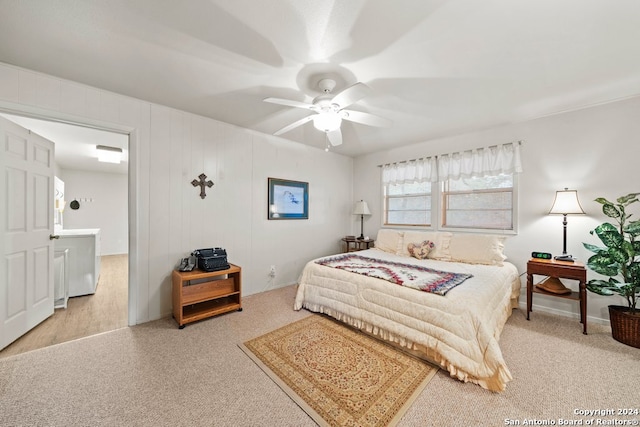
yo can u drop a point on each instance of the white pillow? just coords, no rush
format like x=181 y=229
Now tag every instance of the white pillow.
x=477 y=248
x=389 y=240
x=439 y=238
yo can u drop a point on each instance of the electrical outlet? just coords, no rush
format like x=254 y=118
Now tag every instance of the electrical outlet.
x=272 y=271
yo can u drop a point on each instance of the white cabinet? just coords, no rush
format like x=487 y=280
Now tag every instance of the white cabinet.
x=60 y=278
x=83 y=257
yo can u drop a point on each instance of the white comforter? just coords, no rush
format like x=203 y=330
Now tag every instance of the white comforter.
x=458 y=331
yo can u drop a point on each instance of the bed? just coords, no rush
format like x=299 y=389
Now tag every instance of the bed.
x=458 y=331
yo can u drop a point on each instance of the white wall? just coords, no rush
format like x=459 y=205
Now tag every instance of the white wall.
x=168 y=149
x=103 y=205
x=594 y=150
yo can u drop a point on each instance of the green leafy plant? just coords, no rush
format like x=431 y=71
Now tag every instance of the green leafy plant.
x=620 y=257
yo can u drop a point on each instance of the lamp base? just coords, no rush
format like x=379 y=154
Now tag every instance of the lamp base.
x=565 y=258
x=361 y=237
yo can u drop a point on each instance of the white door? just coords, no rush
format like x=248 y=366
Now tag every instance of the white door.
x=26 y=229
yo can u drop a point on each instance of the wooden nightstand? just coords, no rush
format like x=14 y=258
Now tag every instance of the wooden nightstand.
x=560 y=270
x=353 y=245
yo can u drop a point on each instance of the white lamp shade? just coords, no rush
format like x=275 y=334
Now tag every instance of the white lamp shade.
x=361 y=208
x=327 y=121
x=566 y=203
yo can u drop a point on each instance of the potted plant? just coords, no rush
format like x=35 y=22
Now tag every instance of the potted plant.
x=619 y=259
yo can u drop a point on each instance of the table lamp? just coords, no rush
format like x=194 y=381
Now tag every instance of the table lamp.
x=361 y=209
x=566 y=203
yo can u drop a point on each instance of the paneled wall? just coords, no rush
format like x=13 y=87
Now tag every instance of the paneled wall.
x=594 y=150
x=168 y=219
x=103 y=205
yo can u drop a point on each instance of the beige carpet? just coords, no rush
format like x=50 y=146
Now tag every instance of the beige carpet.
x=156 y=375
x=339 y=376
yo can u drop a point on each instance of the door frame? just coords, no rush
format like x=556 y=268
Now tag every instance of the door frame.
x=132 y=175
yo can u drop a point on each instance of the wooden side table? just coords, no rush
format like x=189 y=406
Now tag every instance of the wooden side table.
x=201 y=294
x=353 y=245
x=560 y=270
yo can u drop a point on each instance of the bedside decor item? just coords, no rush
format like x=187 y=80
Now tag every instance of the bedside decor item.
x=554 y=286
x=619 y=259
x=361 y=208
x=202 y=184
x=565 y=203
x=288 y=199
x=541 y=255
x=340 y=376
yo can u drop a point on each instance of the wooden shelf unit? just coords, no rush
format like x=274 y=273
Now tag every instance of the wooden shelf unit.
x=200 y=294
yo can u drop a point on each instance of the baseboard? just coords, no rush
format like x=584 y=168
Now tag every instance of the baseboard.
x=563 y=313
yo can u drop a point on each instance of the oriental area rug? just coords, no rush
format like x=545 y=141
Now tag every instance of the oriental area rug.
x=339 y=376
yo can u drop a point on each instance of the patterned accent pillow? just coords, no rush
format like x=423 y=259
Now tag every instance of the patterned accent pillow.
x=420 y=250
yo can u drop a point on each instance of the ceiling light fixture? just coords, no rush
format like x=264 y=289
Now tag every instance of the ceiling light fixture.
x=108 y=154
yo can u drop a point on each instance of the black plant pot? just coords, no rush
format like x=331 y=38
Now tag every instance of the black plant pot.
x=625 y=325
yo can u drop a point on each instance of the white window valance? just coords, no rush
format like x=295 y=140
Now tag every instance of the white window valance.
x=419 y=170
x=480 y=162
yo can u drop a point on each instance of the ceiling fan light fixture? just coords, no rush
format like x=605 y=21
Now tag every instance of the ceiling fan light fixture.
x=330 y=110
x=327 y=121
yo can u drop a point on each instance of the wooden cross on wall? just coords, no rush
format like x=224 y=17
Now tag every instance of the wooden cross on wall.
x=202 y=183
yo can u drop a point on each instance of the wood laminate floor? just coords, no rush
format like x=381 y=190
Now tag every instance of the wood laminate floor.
x=87 y=315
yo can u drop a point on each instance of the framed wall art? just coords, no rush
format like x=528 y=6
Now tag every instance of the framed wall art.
x=288 y=199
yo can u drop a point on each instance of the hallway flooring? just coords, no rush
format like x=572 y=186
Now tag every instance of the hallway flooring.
x=87 y=315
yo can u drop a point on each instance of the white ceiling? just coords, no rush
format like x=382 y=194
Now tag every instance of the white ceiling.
x=436 y=67
x=75 y=146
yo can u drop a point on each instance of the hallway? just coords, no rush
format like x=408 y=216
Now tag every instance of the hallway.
x=87 y=315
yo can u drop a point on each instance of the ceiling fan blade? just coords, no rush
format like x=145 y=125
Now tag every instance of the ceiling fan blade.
x=335 y=137
x=295 y=124
x=365 y=118
x=289 y=103
x=353 y=93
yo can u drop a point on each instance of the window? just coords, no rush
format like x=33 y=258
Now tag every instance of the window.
x=407 y=204
x=474 y=189
x=479 y=202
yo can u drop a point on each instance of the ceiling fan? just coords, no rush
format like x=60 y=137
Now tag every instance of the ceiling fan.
x=330 y=110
